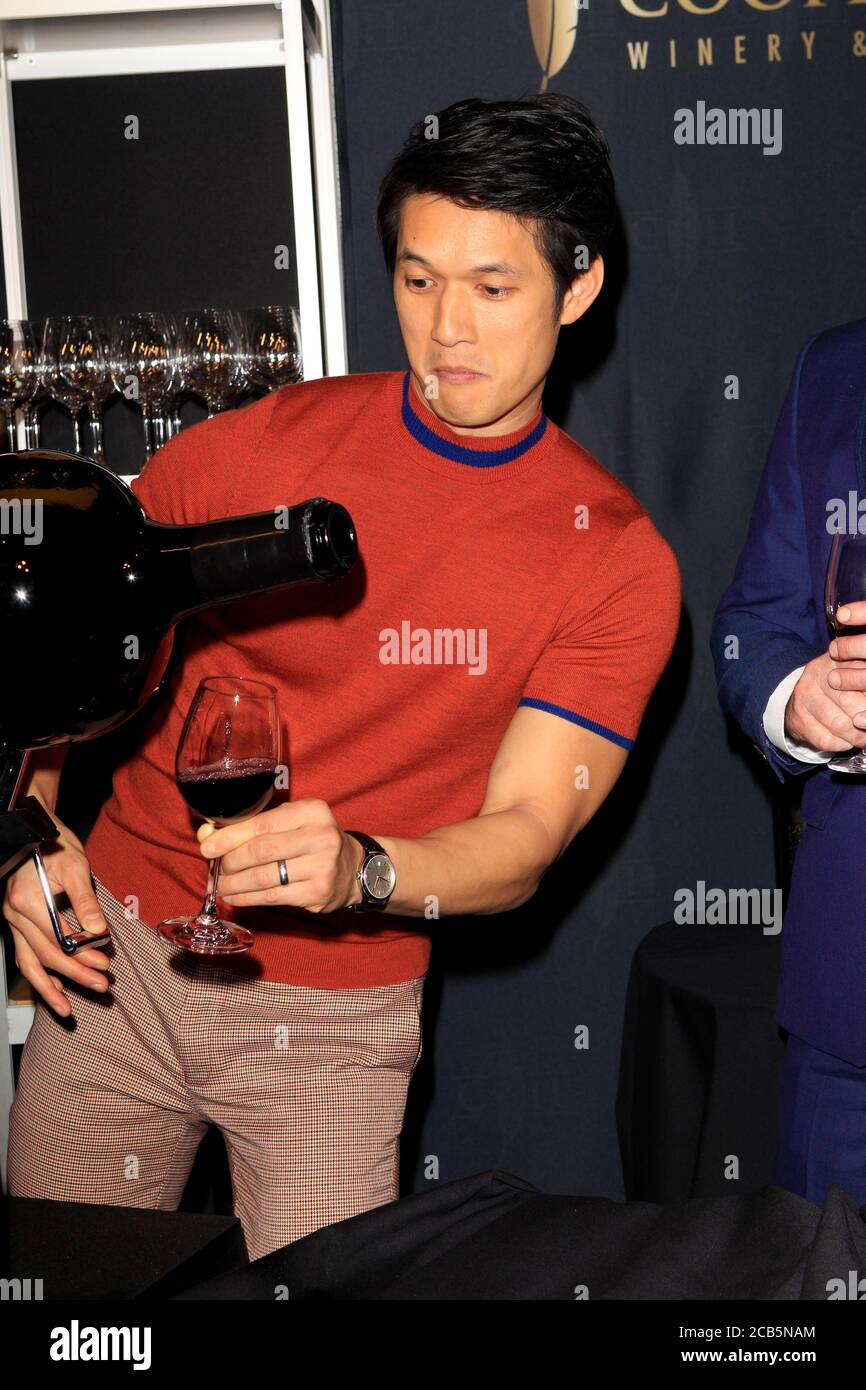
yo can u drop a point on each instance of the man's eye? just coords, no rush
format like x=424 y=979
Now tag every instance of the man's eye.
x=418 y=280
x=499 y=292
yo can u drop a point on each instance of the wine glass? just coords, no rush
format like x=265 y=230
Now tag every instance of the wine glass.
x=227 y=758
x=37 y=391
x=274 y=336
x=17 y=370
x=846 y=583
x=71 y=358
x=141 y=355
x=210 y=354
x=179 y=384
x=99 y=387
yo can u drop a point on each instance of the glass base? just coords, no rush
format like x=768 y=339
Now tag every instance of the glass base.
x=856 y=762
x=215 y=938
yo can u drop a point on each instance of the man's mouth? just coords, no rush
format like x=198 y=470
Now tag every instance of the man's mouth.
x=457 y=373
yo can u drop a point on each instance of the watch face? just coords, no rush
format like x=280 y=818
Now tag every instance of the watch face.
x=380 y=876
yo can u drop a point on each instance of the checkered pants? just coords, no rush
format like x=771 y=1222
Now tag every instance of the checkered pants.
x=307 y=1086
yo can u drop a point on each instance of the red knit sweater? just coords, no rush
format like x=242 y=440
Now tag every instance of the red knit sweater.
x=480 y=584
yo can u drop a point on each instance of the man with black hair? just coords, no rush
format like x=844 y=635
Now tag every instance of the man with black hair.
x=466 y=697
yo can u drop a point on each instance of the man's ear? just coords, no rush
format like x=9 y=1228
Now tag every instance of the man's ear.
x=583 y=289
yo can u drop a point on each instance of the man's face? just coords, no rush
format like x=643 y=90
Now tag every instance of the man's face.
x=457 y=310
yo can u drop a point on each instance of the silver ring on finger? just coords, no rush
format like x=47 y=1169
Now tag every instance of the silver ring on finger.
x=284 y=873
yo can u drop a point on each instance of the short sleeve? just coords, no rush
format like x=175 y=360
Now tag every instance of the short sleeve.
x=613 y=639
x=198 y=474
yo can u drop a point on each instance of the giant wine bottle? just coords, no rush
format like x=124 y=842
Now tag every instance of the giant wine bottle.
x=91 y=588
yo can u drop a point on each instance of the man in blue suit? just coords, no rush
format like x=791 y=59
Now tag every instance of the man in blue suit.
x=802 y=700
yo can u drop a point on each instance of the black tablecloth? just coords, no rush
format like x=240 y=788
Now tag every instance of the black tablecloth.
x=83 y=1250
x=700 y=1058
x=494 y=1236
x=490 y=1236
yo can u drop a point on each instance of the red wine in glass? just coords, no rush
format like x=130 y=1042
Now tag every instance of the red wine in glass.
x=230 y=790
x=846 y=583
x=227 y=758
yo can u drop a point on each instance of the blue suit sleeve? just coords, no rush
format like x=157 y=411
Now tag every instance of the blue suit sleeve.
x=769 y=607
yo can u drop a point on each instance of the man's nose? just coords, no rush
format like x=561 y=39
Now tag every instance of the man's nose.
x=453 y=321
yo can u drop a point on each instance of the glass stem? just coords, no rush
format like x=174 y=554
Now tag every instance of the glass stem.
x=208 y=915
x=161 y=424
x=95 y=421
x=31 y=426
x=148 y=431
x=76 y=425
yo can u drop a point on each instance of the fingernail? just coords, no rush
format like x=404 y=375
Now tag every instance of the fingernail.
x=834 y=679
x=843 y=613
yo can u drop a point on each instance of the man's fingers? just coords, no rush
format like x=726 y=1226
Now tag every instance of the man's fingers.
x=45 y=985
x=847 y=677
x=848 y=648
x=827 y=728
x=854 y=614
x=79 y=889
x=24 y=902
x=48 y=953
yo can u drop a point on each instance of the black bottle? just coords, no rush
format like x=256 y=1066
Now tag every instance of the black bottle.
x=91 y=588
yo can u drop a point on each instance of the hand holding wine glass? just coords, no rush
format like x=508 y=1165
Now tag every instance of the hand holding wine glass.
x=226 y=762
x=830 y=696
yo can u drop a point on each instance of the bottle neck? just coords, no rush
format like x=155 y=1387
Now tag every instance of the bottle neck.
x=236 y=557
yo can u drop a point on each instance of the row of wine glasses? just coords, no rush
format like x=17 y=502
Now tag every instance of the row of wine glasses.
x=153 y=359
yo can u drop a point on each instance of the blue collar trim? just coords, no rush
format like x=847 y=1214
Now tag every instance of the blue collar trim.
x=489 y=458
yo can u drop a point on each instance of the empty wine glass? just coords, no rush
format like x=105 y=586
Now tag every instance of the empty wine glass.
x=210 y=354
x=37 y=391
x=179 y=383
x=99 y=387
x=17 y=370
x=275 y=345
x=142 y=368
x=226 y=762
x=243 y=382
x=71 y=359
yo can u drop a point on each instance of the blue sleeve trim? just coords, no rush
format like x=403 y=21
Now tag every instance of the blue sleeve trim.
x=579 y=719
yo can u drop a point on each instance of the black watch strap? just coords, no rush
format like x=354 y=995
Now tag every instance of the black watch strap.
x=370 y=847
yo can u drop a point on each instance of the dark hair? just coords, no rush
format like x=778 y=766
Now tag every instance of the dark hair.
x=541 y=158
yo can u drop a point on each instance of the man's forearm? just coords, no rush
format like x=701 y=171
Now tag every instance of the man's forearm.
x=42 y=774
x=488 y=864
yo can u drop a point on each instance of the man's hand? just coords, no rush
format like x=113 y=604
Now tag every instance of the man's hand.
x=827 y=708
x=37 y=954
x=321 y=859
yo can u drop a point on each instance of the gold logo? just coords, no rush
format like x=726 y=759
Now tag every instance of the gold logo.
x=553 y=24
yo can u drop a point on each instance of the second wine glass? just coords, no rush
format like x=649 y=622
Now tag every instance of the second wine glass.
x=846 y=583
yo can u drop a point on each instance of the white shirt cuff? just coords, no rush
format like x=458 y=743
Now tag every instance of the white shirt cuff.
x=774 y=723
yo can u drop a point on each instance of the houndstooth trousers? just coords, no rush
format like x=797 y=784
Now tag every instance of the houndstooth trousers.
x=307 y=1086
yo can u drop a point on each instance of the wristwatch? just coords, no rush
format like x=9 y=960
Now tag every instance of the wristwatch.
x=377 y=875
